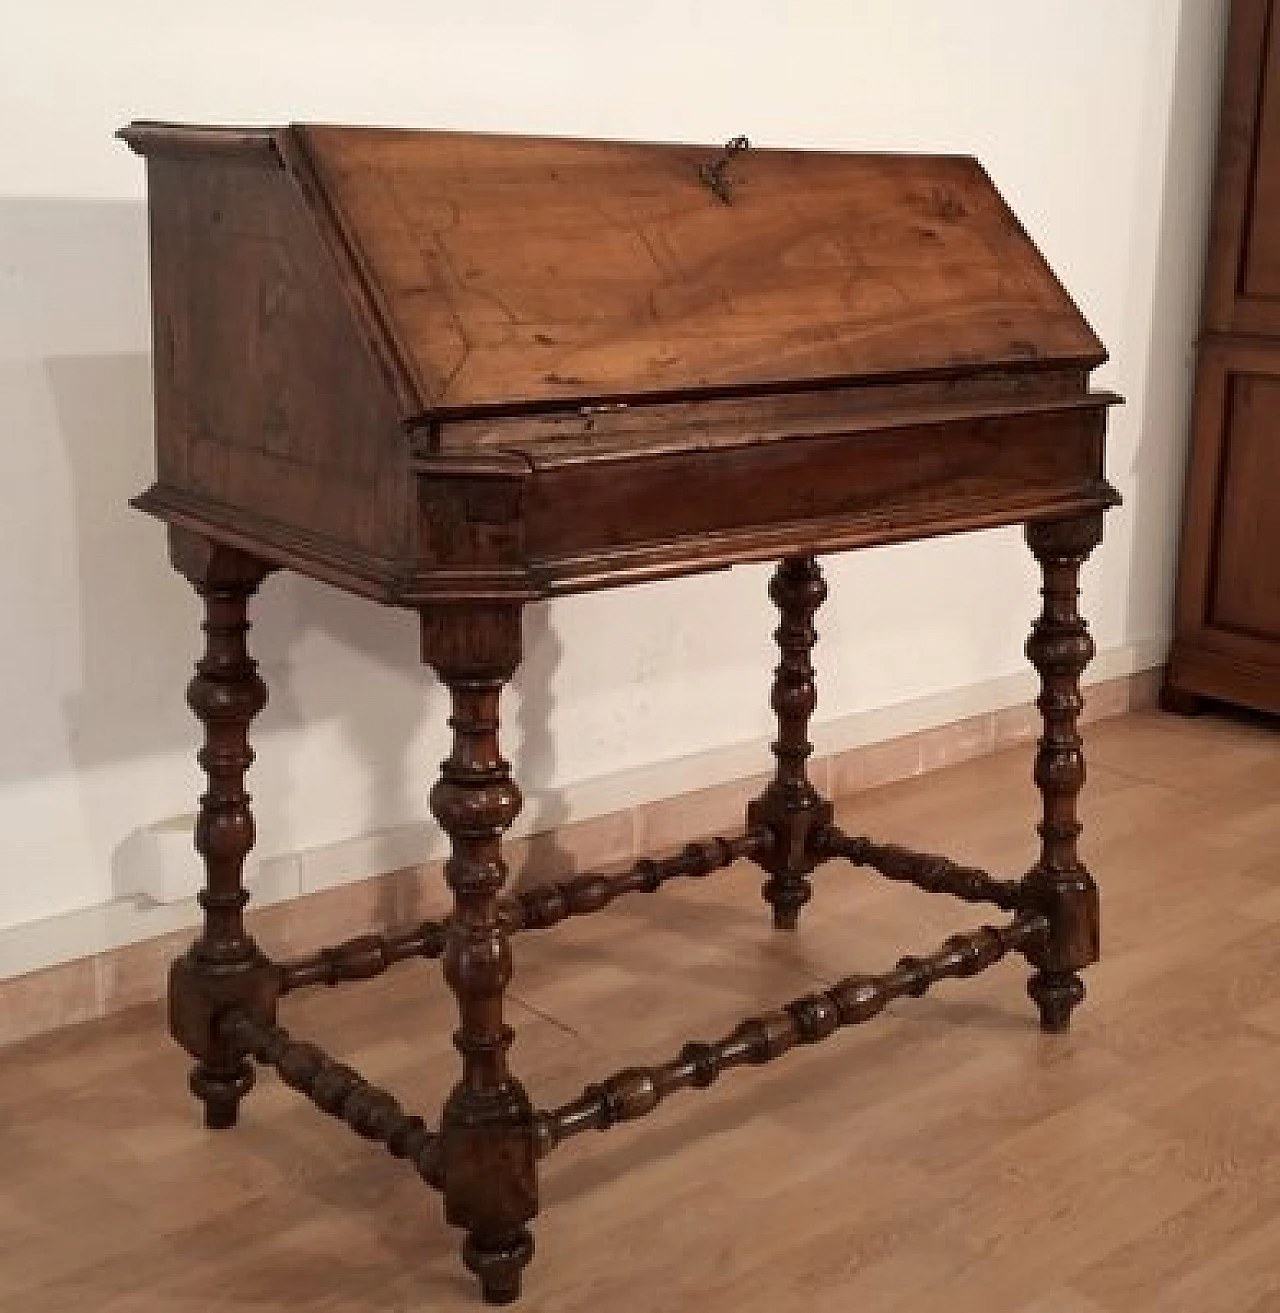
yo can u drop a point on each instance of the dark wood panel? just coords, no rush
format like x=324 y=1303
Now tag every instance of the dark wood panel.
x=1226 y=309
x=1246 y=673
x=1260 y=276
x=598 y=507
x=1246 y=576
x=248 y=318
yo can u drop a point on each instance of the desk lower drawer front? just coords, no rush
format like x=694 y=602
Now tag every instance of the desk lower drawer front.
x=852 y=489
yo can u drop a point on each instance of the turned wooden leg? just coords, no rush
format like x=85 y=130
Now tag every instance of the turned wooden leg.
x=790 y=807
x=487 y=1146
x=224 y=967
x=1061 y=887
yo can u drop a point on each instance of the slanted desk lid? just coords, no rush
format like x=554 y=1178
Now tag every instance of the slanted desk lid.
x=517 y=273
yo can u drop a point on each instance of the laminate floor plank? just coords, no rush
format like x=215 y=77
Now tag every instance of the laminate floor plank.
x=946 y=1154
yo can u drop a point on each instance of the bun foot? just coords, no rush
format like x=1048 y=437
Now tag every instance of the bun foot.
x=221 y=1091
x=786 y=896
x=1055 y=993
x=499 y=1263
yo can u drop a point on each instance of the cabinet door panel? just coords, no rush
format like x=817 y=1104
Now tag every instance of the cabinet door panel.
x=1246 y=575
x=1260 y=272
x=1242 y=278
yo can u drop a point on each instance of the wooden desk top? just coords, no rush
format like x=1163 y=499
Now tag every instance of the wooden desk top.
x=442 y=365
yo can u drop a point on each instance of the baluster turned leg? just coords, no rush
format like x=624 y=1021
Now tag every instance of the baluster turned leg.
x=790 y=807
x=224 y=968
x=487 y=1146
x=1060 y=648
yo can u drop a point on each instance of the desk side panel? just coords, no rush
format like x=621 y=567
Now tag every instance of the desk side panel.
x=272 y=419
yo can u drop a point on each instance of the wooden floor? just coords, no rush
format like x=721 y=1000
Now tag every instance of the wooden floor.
x=946 y=1155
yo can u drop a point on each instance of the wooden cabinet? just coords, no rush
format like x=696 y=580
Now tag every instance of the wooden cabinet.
x=1227 y=642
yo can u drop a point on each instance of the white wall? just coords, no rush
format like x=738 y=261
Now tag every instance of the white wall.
x=1094 y=116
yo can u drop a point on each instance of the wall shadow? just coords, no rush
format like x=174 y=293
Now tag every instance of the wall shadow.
x=336 y=664
x=103 y=633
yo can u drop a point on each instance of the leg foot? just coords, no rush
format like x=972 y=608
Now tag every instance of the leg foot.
x=220 y=1089
x=499 y=1261
x=1055 y=993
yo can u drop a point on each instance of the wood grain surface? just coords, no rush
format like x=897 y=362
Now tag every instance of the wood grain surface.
x=517 y=270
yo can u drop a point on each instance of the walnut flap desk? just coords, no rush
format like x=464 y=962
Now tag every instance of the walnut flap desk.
x=460 y=373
